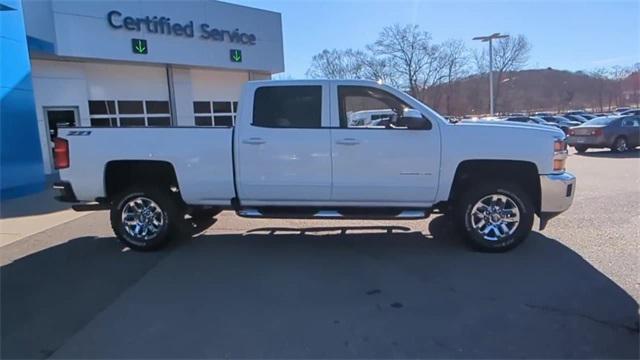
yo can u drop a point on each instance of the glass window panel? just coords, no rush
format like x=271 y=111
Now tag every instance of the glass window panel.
x=159 y=121
x=102 y=107
x=223 y=120
x=101 y=122
x=202 y=107
x=288 y=106
x=203 y=121
x=131 y=121
x=130 y=107
x=157 y=107
x=363 y=106
x=221 y=106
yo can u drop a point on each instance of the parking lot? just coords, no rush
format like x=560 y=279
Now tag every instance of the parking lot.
x=339 y=289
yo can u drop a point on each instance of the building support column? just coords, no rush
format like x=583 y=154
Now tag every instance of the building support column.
x=172 y=96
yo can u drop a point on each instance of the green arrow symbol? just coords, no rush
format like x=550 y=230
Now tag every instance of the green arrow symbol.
x=139 y=47
x=236 y=55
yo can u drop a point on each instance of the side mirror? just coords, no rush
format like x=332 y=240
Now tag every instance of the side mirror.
x=414 y=120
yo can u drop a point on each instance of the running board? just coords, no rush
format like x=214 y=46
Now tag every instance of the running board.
x=349 y=213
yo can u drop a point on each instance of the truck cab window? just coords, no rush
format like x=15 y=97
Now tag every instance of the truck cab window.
x=368 y=107
x=288 y=107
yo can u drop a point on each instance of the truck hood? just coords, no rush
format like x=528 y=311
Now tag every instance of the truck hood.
x=510 y=125
x=500 y=140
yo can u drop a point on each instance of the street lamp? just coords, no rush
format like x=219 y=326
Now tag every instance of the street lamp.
x=490 y=39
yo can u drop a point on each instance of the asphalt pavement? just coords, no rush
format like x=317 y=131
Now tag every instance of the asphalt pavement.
x=337 y=289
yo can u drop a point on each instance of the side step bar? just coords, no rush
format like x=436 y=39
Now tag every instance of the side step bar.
x=90 y=207
x=351 y=213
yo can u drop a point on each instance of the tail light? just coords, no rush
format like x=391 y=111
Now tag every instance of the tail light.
x=596 y=132
x=560 y=146
x=559 y=155
x=60 y=153
x=572 y=132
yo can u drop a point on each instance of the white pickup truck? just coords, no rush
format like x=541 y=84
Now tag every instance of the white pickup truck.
x=294 y=153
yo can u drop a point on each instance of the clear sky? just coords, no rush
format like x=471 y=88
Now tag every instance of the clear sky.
x=569 y=35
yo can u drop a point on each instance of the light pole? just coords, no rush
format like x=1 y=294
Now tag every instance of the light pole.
x=490 y=38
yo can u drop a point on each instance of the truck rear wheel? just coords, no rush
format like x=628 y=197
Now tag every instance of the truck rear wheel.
x=495 y=216
x=145 y=219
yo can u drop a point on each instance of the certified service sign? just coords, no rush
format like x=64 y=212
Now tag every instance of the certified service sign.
x=164 y=25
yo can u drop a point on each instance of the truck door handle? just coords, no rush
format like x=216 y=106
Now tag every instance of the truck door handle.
x=348 y=141
x=254 y=141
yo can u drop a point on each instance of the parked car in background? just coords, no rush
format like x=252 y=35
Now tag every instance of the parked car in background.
x=564 y=123
x=541 y=121
x=542 y=114
x=578 y=118
x=581 y=113
x=630 y=112
x=620 y=110
x=366 y=117
x=588 y=116
x=531 y=120
x=619 y=133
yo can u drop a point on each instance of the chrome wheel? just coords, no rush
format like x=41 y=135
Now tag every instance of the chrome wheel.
x=495 y=217
x=621 y=145
x=142 y=218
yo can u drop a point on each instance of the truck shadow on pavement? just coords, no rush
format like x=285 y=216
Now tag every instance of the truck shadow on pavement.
x=634 y=153
x=377 y=294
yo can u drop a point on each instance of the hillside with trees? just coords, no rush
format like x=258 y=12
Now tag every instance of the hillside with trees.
x=454 y=80
x=535 y=90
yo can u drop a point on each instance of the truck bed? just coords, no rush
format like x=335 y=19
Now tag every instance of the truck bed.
x=201 y=158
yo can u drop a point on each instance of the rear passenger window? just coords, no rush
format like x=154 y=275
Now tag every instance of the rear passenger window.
x=630 y=122
x=288 y=107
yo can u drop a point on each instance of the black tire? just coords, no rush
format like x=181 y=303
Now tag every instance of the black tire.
x=620 y=145
x=168 y=207
x=581 y=149
x=519 y=198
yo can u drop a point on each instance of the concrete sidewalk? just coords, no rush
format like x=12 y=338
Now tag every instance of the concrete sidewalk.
x=28 y=215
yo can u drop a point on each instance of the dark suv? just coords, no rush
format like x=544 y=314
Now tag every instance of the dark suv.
x=619 y=133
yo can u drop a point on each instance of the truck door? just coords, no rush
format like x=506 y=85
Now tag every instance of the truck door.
x=283 y=148
x=383 y=163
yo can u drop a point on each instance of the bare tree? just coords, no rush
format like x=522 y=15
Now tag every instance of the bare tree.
x=375 y=68
x=509 y=54
x=435 y=70
x=618 y=74
x=337 y=64
x=636 y=83
x=455 y=58
x=601 y=75
x=351 y=64
x=408 y=51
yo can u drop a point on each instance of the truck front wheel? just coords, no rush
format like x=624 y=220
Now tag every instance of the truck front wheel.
x=495 y=216
x=145 y=219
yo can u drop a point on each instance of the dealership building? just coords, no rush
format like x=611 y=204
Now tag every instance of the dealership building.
x=122 y=63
